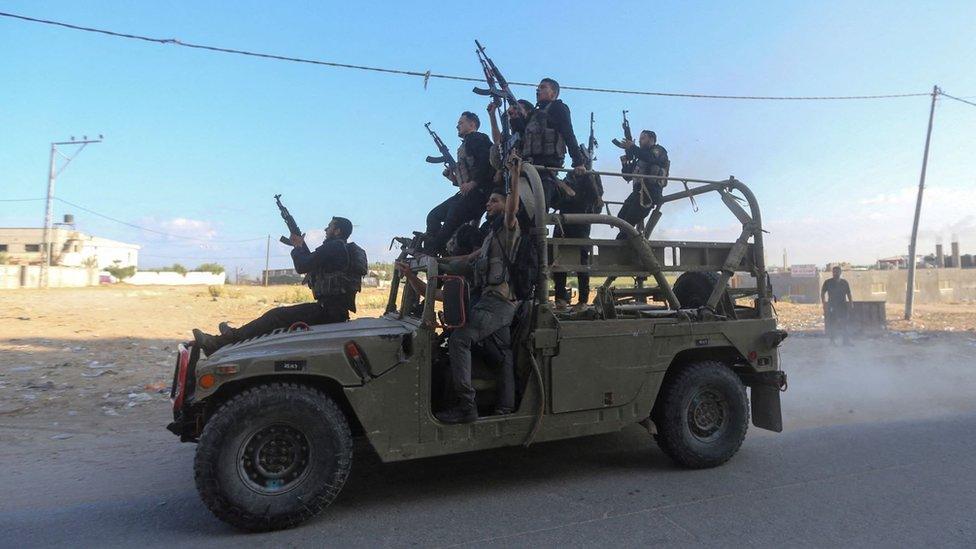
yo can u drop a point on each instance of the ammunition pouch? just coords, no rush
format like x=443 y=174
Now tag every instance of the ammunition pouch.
x=335 y=283
x=539 y=139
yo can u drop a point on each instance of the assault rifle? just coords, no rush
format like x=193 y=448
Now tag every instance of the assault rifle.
x=500 y=93
x=293 y=229
x=497 y=85
x=589 y=151
x=445 y=158
x=628 y=136
x=408 y=247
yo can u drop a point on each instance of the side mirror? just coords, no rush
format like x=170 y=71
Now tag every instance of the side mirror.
x=455 y=292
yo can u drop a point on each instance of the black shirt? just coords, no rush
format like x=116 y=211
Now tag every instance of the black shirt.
x=588 y=189
x=837 y=290
x=655 y=155
x=478 y=146
x=560 y=120
x=330 y=256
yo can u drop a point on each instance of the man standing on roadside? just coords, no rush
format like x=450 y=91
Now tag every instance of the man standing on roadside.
x=837 y=306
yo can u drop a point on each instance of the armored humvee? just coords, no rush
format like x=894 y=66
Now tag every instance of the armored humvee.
x=275 y=416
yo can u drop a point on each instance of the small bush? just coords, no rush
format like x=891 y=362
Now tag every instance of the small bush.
x=215 y=291
x=214 y=268
x=121 y=273
x=295 y=294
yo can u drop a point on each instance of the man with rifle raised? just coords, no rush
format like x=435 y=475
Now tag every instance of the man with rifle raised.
x=471 y=173
x=541 y=136
x=645 y=158
x=588 y=198
x=547 y=134
x=334 y=271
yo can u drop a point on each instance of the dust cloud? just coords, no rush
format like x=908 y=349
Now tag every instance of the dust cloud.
x=896 y=376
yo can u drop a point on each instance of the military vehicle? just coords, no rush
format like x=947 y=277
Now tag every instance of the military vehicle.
x=275 y=417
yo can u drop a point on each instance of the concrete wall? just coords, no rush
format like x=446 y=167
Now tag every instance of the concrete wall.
x=931 y=285
x=29 y=276
x=147 y=278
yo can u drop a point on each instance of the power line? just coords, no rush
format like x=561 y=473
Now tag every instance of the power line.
x=21 y=199
x=147 y=229
x=956 y=98
x=427 y=75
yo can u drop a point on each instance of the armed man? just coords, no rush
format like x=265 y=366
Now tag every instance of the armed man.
x=495 y=306
x=647 y=158
x=588 y=198
x=473 y=177
x=335 y=270
x=547 y=134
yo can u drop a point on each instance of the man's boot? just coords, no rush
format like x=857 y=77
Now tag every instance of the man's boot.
x=225 y=330
x=458 y=414
x=208 y=343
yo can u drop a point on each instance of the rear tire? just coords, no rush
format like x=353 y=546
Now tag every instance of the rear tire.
x=273 y=456
x=701 y=415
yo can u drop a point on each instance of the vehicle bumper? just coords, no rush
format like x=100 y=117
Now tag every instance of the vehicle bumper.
x=187 y=418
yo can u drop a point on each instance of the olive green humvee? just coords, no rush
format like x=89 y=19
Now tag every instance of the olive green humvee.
x=275 y=416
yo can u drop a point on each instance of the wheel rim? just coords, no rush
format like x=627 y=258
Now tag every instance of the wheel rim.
x=708 y=414
x=274 y=459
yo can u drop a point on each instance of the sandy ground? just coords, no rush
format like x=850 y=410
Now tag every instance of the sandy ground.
x=81 y=358
x=74 y=360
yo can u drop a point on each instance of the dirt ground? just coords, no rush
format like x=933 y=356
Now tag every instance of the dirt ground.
x=83 y=357
x=102 y=357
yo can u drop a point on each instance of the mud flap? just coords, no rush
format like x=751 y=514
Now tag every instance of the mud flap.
x=766 y=410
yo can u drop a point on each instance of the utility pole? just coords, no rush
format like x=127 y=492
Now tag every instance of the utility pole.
x=910 y=290
x=52 y=175
x=267 y=260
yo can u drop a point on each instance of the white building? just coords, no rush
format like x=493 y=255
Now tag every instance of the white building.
x=71 y=248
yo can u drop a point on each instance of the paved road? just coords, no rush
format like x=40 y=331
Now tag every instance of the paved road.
x=894 y=484
x=842 y=474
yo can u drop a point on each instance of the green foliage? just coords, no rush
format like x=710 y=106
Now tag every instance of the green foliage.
x=174 y=268
x=121 y=273
x=4 y=258
x=214 y=268
x=215 y=291
x=384 y=270
x=295 y=294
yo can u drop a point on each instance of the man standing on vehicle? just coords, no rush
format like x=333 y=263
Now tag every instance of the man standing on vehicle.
x=495 y=307
x=588 y=199
x=547 y=134
x=647 y=158
x=335 y=269
x=837 y=306
x=474 y=179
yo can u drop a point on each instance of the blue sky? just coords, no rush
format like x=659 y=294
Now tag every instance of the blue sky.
x=197 y=143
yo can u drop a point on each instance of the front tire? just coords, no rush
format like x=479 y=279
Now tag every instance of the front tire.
x=273 y=456
x=701 y=415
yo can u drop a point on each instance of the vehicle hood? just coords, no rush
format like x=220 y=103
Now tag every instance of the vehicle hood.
x=317 y=339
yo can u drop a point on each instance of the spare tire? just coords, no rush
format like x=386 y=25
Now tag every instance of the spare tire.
x=693 y=289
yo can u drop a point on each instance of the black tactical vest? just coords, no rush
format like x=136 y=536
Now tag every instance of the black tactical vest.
x=538 y=139
x=333 y=283
x=465 y=162
x=647 y=168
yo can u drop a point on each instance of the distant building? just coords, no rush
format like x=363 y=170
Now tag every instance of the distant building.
x=281 y=276
x=291 y=276
x=71 y=248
